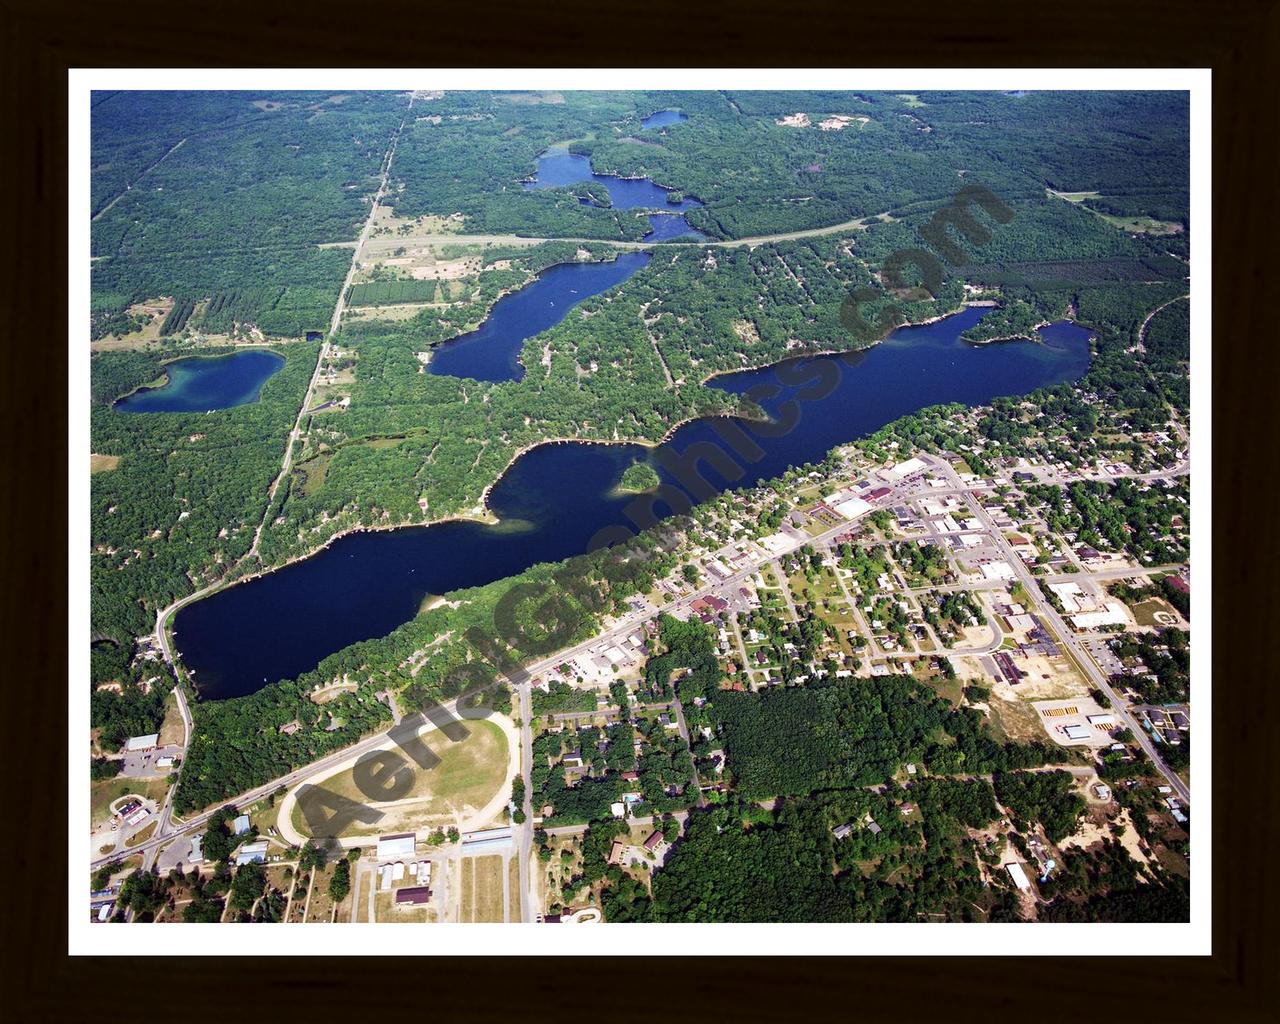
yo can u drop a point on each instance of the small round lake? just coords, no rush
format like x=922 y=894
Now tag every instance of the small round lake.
x=662 y=118
x=205 y=383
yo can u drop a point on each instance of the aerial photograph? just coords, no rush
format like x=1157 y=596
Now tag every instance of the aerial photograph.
x=611 y=506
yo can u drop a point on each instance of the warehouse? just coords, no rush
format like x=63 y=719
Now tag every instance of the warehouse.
x=1019 y=876
x=395 y=847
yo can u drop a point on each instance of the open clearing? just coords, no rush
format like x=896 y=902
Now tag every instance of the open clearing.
x=482 y=900
x=172 y=731
x=1015 y=721
x=471 y=774
x=105 y=792
x=103 y=463
x=1154 y=611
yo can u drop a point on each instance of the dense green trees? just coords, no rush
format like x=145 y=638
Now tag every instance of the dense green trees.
x=793 y=741
x=562 y=697
x=1166 y=657
x=228 y=224
x=1046 y=797
x=238 y=744
x=182 y=505
x=639 y=477
x=132 y=710
x=247 y=189
x=1124 y=516
x=340 y=883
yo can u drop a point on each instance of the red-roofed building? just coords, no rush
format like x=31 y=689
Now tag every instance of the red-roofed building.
x=413 y=896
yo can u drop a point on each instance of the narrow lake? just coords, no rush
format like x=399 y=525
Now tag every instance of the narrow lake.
x=202 y=384
x=492 y=351
x=556 y=498
x=558 y=167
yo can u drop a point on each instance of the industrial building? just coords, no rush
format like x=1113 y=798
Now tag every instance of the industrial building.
x=396 y=847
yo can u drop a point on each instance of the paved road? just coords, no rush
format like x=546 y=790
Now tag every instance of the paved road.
x=1065 y=634
x=390 y=244
x=524 y=832
x=631 y=622
x=165 y=826
x=334 y=323
x=1110 y=574
x=289 y=780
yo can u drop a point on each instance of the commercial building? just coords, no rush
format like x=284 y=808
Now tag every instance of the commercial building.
x=905 y=469
x=395 y=847
x=136 y=744
x=1112 y=615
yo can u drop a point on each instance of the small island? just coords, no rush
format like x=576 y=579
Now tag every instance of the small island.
x=639 y=478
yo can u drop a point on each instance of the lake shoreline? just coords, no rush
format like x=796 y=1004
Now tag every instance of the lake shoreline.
x=480 y=511
x=481 y=514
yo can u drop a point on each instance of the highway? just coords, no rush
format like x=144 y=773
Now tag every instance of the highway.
x=334 y=323
x=1066 y=635
x=524 y=831
x=167 y=831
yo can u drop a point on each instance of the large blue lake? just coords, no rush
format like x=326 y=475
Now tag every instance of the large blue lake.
x=202 y=384
x=557 y=498
x=558 y=167
x=492 y=351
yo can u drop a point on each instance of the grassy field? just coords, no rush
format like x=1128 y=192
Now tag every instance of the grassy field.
x=361 y=907
x=142 y=836
x=468 y=775
x=320 y=910
x=513 y=883
x=104 y=793
x=1142 y=225
x=951 y=690
x=103 y=463
x=297 y=907
x=482 y=899
x=1144 y=612
x=1014 y=721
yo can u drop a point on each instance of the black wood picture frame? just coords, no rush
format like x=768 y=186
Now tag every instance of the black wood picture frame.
x=1238 y=39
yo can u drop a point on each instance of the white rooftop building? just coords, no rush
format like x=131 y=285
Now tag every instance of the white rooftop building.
x=852 y=508
x=997 y=571
x=905 y=469
x=395 y=847
x=252 y=853
x=1112 y=615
